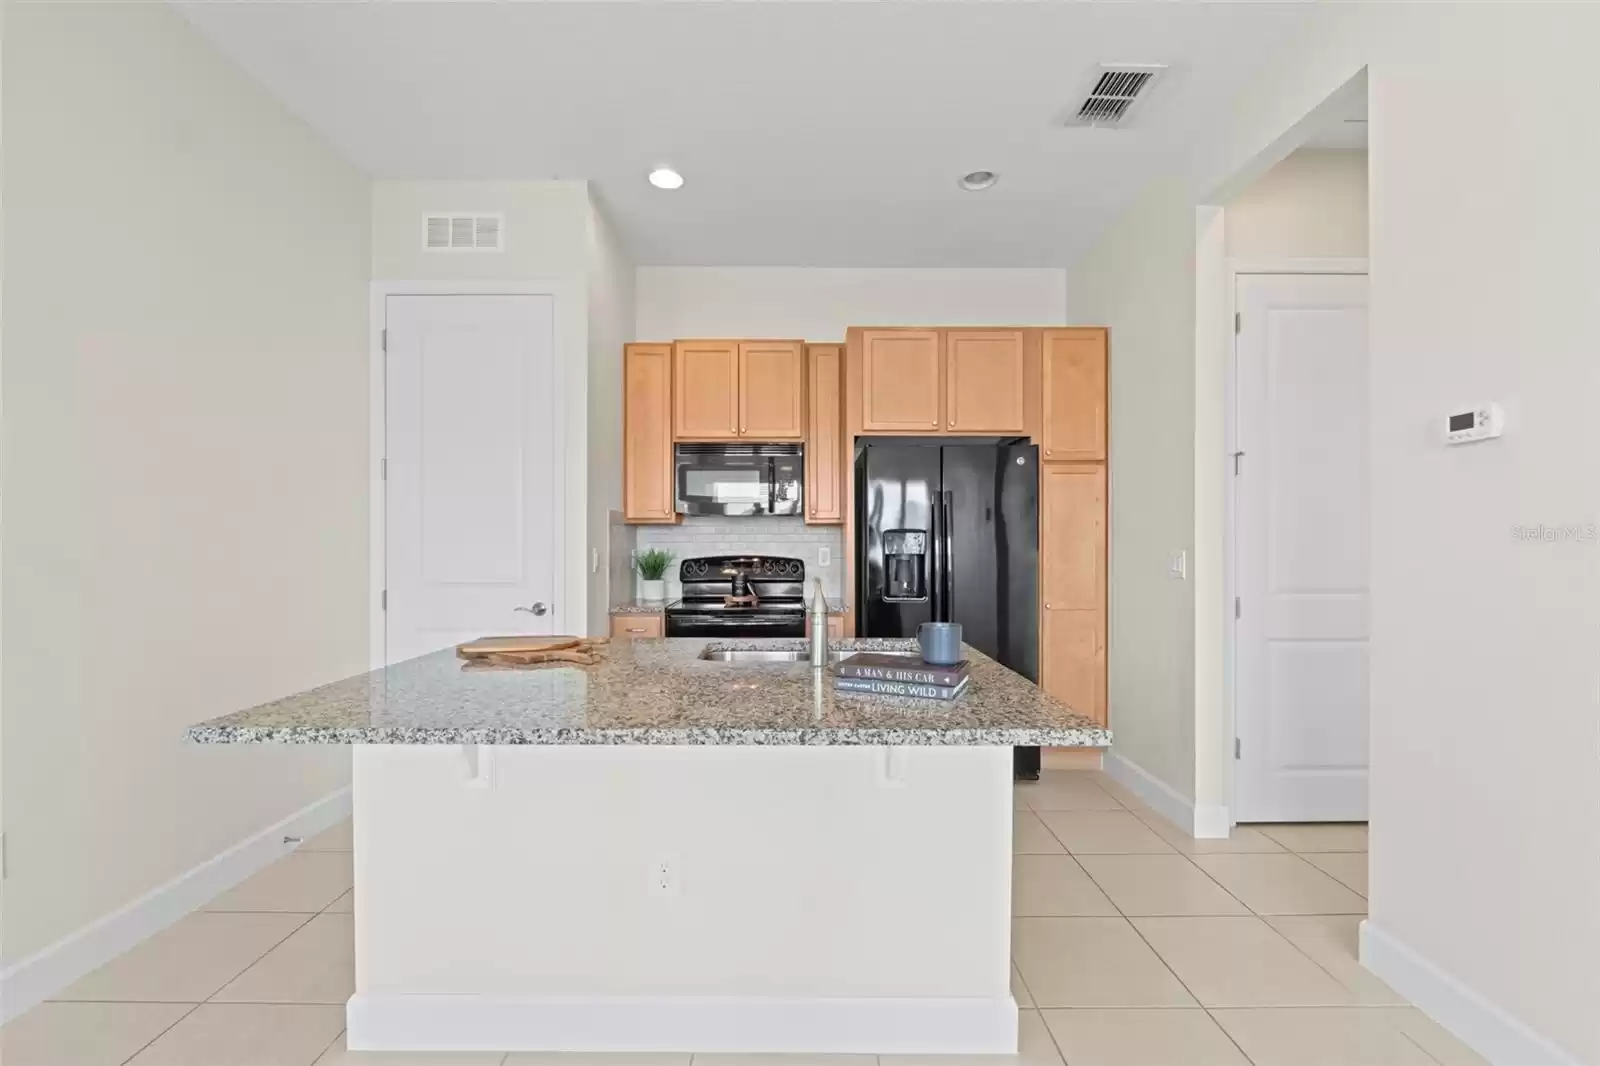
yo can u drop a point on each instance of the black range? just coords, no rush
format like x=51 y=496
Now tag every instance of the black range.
x=739 y=596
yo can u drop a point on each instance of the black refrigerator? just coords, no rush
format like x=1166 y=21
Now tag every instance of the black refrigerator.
x=950 y=533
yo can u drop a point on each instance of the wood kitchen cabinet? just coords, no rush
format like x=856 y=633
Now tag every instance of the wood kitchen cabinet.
x=636 y=626
x=1074 y=380
x=705 y=390
x=933 y=382
x=825 y=478
x=772 y=390
x=727 y=390
x=902 y=381
x=1072 y=584
x=984 y=375
x=647 y=475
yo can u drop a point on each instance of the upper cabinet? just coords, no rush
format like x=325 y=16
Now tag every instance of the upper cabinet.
x=902 y=381
x=984 y=371
x=705 y=390
x=921 y=382
x=1074 y=379
x=772 y=376
x=647 y=489
x=724 y=390
x=825 y=433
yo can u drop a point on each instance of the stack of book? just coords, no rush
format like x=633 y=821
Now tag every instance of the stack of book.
x=888 y=674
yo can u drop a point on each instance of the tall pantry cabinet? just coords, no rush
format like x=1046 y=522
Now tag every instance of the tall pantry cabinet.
x=1072 y=518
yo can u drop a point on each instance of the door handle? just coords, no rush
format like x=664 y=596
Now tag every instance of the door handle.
x=537 y=609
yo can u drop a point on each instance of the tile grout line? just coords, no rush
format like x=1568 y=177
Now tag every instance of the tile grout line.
x=278 y=944
x=161 y=1034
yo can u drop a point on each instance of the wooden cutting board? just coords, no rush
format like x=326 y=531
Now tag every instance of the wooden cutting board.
x=518 y=645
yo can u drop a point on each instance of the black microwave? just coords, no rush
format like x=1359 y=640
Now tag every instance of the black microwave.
x=739 y=479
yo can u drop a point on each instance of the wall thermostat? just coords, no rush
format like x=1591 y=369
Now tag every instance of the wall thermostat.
x=1480 y=423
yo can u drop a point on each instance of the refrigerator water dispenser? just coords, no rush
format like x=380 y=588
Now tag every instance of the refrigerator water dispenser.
x=905 y=564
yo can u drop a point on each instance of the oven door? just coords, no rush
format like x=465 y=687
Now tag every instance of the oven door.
x=722 y=627
x=739 y=479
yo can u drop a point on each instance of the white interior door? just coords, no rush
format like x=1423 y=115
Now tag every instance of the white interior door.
x=1301 y=548
x=474 y=508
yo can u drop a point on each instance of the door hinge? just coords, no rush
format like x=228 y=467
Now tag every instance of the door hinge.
x=1238 y=322
x=1237 y=748
x=384 y=341
x=1237 y=457
x=1236 y=607
x=383 y=600
x=383 y=469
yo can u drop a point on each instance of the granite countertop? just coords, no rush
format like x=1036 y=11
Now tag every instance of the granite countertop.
x=836 y=605
x=653 y=692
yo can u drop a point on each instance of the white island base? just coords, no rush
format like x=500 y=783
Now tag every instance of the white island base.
x=629 y=898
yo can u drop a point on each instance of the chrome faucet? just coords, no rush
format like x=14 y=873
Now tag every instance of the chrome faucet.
x=819 y=626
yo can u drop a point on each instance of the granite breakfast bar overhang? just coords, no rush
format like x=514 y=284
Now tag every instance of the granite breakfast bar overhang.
x=664 y=853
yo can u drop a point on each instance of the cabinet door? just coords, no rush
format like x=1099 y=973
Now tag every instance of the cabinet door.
x=1073 y=656
x=772 y=378
x=1074 y=394
x=825 y=433
x=647 y=489
x=635 y=626
x=902 y=381
x=1072 y=586
x=983 y=381
x=705 y=389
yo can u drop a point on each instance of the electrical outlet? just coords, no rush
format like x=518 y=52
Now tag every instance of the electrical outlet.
x=661 y=876
x=824 y=556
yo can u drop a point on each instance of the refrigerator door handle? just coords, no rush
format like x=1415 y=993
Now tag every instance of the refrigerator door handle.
x=948 y=508
x=936 y=554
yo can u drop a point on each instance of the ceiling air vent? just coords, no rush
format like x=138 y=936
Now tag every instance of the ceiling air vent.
x=463 y=233
x=1115 y=90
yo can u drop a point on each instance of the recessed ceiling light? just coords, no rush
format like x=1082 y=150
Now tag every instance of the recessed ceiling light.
x=666 y=178
x=979 y=180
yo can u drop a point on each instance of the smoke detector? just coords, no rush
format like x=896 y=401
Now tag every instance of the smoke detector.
x=1114 y=90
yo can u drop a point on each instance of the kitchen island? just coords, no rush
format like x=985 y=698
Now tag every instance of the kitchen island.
x=666 y=851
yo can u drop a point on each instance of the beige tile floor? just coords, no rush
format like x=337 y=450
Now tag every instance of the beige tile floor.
x=1133 y=946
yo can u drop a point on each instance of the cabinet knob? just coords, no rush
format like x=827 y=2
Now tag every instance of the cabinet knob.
x=1047 y=451
x=1047 y=607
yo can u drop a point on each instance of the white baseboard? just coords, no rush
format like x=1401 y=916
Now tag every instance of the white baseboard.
x=1205 y=822
x=33 y=980
x=682 y=1023
x=1479 y=1023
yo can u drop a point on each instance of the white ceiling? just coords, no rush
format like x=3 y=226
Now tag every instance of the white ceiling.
x=809 y=133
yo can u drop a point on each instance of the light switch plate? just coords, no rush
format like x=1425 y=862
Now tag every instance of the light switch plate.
x=824 y=556
x=1178 y=565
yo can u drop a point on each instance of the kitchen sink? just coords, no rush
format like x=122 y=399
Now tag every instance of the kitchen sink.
x=756 y=655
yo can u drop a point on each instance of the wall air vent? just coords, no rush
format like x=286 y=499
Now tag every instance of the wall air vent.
x=1111 y=97
x=463 y=233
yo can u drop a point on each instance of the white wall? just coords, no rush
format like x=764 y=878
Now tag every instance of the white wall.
x=1484 y=677
x=1311 y=205
x=548 y=238
x=611 y=302
x=184 y=452
x=819 y=303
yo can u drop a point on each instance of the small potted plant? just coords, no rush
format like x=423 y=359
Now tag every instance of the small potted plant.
x=652 y=565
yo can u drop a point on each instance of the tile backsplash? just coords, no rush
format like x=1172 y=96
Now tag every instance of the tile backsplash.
x=755 y=536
